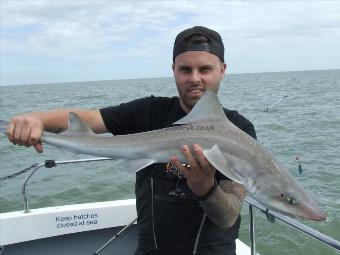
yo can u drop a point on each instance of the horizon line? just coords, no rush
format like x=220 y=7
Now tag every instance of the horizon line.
x=123 y=79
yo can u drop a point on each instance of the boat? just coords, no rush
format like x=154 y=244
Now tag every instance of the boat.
x=99 y=228
x=75 y=229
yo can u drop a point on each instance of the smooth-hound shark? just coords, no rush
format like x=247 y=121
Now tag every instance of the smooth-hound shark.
x=231 y=151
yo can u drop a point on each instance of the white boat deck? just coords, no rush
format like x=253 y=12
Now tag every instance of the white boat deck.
x=43 y=223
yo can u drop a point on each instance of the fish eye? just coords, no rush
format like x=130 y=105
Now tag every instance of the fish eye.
x=291 y=200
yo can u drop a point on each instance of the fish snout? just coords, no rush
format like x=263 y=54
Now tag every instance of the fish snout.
x=320 y=216
x=315 y=214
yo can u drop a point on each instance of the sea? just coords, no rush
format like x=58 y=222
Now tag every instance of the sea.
x=296 y=115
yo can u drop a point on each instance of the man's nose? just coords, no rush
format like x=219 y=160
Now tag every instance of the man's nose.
x=195 y=76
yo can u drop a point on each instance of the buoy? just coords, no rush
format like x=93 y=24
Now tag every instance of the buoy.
x=297 y=158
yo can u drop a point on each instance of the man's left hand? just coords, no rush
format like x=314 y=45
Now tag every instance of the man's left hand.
x=201 y=174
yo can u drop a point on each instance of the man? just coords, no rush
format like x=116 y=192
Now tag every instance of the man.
x=181 y=209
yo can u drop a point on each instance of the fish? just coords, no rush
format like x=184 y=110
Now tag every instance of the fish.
x=233 y=153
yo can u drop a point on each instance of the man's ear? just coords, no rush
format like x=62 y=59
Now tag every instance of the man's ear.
x=223 y=69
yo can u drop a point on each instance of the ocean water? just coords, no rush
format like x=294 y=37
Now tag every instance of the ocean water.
x=306 y=123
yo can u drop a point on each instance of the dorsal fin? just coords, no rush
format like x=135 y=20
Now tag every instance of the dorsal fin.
x=77 y=126
x=207 y=109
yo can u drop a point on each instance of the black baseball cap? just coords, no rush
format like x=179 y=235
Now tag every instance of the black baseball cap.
x=214 y=46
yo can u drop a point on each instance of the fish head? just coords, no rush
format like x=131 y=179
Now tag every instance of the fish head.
x=284 y=195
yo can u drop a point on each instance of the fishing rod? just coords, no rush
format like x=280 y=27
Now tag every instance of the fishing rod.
x=275 y=103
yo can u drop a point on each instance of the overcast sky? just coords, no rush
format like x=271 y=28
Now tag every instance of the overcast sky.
x=80 y=40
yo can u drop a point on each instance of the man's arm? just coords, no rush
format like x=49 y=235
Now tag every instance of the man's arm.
x=26 y=129
x=224 y=205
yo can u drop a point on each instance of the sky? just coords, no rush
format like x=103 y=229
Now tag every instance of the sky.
x=53 y=41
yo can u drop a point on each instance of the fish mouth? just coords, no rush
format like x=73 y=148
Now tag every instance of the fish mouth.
x=313 y=215
x=310 y=212
x=317 y=215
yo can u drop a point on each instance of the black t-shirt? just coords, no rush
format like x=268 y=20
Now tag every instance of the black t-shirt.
x=152 y=113
x=170 y=218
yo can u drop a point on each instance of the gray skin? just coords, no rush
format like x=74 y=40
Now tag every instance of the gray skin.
x=230 y=150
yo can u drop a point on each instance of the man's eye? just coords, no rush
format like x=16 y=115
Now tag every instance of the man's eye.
x=185 y=70
x=205 y=69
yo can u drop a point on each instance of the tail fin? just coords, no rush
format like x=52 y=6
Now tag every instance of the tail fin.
x=3 y=126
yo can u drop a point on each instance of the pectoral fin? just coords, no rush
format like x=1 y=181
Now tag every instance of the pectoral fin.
x=216 y=158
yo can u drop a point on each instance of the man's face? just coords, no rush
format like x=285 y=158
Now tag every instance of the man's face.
x=195 y=72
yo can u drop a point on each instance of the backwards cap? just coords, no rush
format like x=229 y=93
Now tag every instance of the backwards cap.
x=214 y=45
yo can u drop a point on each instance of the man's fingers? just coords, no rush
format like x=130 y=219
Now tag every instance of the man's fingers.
x=17 y=134
x=34 y=136
x=25 y=135
x=200 y=175
x=203 y=162
x=25 y=130
x=200 y=156
x=38 y=147
x=10 y=132
x=190 y=158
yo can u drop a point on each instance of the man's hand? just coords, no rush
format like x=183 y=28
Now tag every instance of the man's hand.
x=26 y=130
x=201 y=174
x=224 y=205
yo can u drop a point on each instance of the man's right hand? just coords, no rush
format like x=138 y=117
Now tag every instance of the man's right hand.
x=26 y=130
